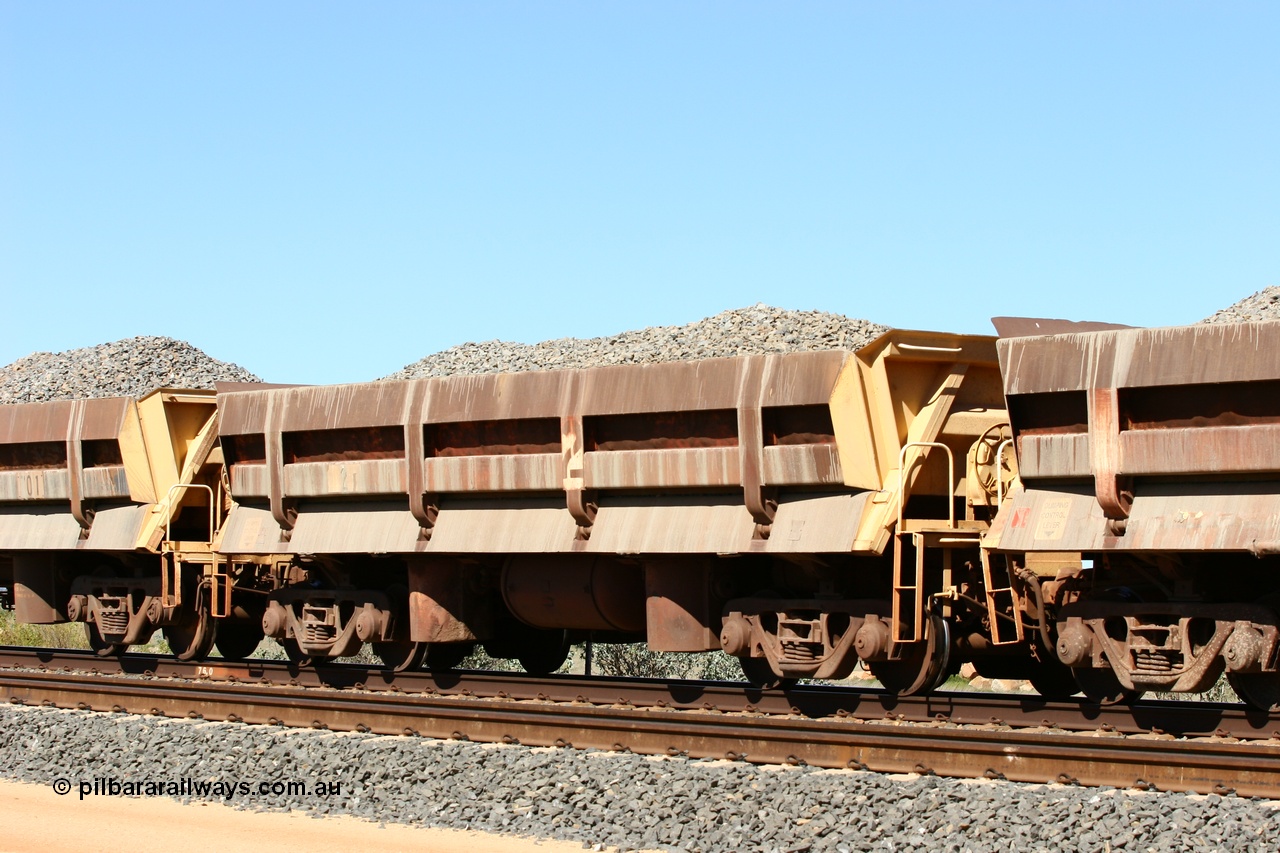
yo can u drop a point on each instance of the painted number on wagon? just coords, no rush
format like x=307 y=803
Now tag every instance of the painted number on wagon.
x=31 y=485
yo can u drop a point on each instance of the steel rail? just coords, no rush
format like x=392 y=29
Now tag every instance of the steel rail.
x=1179 y=718
x=1029 y=755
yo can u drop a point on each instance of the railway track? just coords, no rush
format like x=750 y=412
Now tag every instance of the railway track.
x=1155 y=745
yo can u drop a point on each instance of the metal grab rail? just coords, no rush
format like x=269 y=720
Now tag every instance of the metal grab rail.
x=168 y=524
x=1000 y=448
x=951 y=479
x=171 y=589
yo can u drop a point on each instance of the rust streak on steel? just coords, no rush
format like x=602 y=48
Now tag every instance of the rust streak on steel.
x=1251 y=769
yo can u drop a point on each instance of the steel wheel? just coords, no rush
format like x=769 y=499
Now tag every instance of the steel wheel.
x=237 y=638
x=446 y=656
x=294 y=652
x=760 y=674
x=1054 y=681
x=1102 y=687
x=543 y=652
x=924 y=668
x=401 y=657
x=1259 y=690
x=101 y=647
x=192 y=638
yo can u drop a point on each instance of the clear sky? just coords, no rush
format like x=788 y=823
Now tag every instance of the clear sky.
x=326 y=191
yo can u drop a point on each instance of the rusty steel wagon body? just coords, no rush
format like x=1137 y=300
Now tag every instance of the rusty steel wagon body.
x=747 y=503
x=1148 y=517
x=1093 y=510
x=801 y=511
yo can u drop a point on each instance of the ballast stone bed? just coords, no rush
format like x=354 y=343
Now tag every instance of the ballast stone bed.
x=618 y=800
x=598 y=799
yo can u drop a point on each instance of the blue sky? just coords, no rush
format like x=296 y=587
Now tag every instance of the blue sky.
x=324 y=192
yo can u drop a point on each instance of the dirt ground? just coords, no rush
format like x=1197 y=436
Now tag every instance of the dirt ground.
x=37 y=820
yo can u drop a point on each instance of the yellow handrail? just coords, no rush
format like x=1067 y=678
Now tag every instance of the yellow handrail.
x=1000 y=448
x=168 y=524
x=951 y=479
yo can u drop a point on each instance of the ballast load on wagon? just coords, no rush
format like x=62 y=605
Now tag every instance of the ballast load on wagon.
x=801 y=511
x=107 y=513
x=1145 y=534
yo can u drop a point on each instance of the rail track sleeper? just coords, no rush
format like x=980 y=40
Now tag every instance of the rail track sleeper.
x=892 y=745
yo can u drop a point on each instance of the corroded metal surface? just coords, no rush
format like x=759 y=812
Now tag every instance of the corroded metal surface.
x=700 y=723
x=817 y=523
x=86 y=474
x=1127 y=439
x=1017 y=327
x=1182 y=719
x=1164 y=517
x=1130 y=358
x=682 y=457
x=25 y=528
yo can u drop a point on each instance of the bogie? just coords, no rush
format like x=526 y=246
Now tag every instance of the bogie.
x=1079 y=520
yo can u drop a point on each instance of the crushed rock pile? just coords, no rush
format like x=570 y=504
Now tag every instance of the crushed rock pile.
x=135 y=366
x=127 y=368
x=1263 y=305
x=756 y=330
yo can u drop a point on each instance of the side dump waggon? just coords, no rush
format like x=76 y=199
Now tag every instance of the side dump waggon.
x=107 y=514
x=1094 y=511
x=1144 y=540
x=800 y=511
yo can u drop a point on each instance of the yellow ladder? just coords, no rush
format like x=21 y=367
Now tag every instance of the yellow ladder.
x=1000 y=601
x=219 y=590
x=908 y=576
x=1001 y=597
x=909 y=598
x=170 y=582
